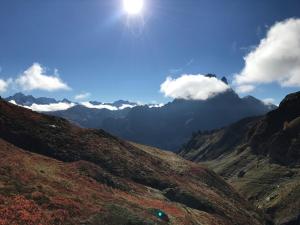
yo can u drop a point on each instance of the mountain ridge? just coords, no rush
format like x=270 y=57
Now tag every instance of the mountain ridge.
x=260 y=157
x=165 y=126
x=168 y=127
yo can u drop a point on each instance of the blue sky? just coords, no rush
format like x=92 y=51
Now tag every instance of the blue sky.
x=96 y=48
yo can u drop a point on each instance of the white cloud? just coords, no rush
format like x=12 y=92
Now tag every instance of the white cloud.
x=124 y=106
x=82 y=96
x=34 y=78
x=51 y=107
x=269 y=101
x=3 y=85
x=106 y=106
x=197 y=87
x=275 y=59
x=245 y=88
x=101 y=106
x=47 y=108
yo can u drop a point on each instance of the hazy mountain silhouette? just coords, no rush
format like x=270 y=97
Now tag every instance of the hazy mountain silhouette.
x=168 y=127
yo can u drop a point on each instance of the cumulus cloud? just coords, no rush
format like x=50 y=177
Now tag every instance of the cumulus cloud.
x=4 y=85
x=275 y=59
x=47 y=108
x=196 y=87
x=35 y=78
x=82 y=96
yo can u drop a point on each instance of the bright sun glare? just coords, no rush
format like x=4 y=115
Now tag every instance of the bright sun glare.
x=133 y=7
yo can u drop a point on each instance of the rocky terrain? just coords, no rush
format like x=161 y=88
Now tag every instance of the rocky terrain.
x=260 y=157
x=52 y=172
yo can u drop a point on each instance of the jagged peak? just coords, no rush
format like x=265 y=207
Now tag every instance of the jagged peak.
x=66 y=100
x=19 y=94
x=224 y=79
x=210 y=75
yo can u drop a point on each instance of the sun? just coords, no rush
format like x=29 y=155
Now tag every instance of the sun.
x=133 y=7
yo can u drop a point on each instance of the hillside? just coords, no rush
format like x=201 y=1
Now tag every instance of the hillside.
x=53 y=172
x=260 y=157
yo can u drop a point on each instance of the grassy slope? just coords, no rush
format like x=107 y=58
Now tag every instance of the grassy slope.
x=271 y=187
x=90 y=177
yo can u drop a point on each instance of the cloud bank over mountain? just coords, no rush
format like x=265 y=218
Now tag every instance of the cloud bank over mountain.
x=193 y=87
x=99 y=106
x=275 y=60
x=3 y=85
x=47 y=107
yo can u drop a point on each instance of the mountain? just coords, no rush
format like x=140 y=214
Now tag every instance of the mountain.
x=164 y=126
x=88 y=114
x=28 y=100
x=260 y=157
x=53 y=172
x=171 y=125
x=121 y=103
x=89 y=117
x=66 y=101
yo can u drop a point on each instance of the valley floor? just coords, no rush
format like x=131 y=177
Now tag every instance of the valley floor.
x=271 y=187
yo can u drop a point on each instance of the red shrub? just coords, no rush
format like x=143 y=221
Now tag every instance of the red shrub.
x=18 y=210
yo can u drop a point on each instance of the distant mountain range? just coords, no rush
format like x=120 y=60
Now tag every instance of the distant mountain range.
x=260 y=157
x=168 y=127
x=165 y=126
x=28 y=100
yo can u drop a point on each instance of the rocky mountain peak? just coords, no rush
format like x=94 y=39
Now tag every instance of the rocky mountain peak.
x=291 y=100
x=210 y=75
x=224 y=79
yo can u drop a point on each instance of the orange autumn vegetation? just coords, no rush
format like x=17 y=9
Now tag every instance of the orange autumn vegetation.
x=84 y=176
x=18 y=210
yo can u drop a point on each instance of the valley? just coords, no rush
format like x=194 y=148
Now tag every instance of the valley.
x=260 y=157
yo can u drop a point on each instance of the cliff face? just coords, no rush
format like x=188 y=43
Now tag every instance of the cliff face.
x=277 y=134
x=260 y=156
x=52 y=172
